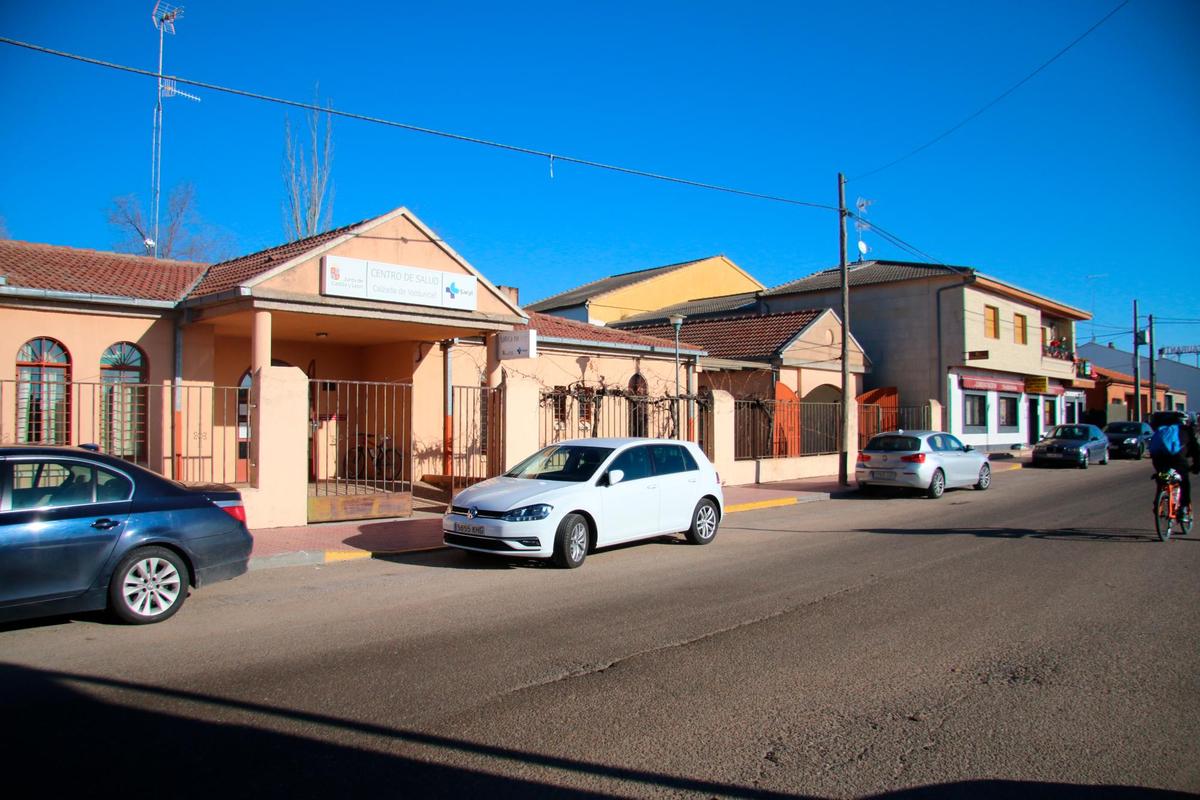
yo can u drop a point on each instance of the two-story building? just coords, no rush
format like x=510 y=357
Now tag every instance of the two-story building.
x=1000 y=359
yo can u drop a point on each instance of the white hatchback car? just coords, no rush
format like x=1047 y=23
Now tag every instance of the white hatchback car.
x=571 y=497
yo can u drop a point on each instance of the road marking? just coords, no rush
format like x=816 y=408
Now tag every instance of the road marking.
x=345 y=555
x=756 y=504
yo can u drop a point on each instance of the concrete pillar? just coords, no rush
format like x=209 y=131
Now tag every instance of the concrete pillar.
x=494 y=364
x=935 y=416
x=279 y=449
x=723 y=432
x=522 y=414
x=260 y=341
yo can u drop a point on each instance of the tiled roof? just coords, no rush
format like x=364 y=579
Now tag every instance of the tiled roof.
x=29 y=265
x=579 y=294
x=549 y=326
x=751 y=338
x=865 y=273
x=1120 y=377
x=706 y=306
x=233 y=273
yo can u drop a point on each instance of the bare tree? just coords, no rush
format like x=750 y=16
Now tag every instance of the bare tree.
x=308 y=194
x=3 y=229
x=182 y=233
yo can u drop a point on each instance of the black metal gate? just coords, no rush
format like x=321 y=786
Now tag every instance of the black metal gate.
x=478 y=435
x=360 y=454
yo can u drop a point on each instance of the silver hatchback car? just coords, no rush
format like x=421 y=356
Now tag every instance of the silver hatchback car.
x=932 y=461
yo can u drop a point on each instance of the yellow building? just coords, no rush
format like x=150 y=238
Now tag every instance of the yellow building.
x=617 y=297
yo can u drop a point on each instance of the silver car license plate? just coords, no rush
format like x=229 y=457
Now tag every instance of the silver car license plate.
x=881 y=475
x=463 y=527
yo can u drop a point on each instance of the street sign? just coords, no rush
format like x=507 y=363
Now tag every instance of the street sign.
x=517 y=344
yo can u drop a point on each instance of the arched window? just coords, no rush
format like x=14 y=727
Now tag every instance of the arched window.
x=123 y=362
x=43 y=399
x=124 y=395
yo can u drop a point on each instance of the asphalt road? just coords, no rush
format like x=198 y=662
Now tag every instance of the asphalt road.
x=1032 y=640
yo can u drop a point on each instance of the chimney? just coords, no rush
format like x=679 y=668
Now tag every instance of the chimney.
x=513 y=293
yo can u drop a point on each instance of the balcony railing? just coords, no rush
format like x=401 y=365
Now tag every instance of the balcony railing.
x=1059 y=351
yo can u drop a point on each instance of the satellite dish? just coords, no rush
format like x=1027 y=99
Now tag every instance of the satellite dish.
x=862 y=247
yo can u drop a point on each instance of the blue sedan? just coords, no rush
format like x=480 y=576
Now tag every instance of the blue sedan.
x=84 y=531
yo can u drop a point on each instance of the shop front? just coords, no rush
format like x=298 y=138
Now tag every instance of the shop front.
x=1000 y=411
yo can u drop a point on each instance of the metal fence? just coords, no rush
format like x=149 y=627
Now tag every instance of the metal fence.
x=361 y=437
x=205 y=438
x=583 y=412
x=785 y=428
x=873 y=419
x=478 y=443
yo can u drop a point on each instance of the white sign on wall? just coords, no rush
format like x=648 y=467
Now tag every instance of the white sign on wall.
x=395 y=283
x=517 y=344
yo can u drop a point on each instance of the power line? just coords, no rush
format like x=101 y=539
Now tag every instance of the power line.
x=551 y=157
x=995 y=100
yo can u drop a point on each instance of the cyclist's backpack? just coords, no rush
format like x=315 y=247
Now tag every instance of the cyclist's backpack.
x=1166 y=441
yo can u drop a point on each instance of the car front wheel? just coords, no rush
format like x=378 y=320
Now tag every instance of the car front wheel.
x=704 y=523
x=149 y=585
x=571 y=542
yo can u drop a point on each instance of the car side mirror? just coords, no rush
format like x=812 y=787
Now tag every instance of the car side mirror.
x=615 y=476
x=967 y=448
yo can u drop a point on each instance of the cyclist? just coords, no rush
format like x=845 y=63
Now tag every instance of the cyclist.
x=1173 y=446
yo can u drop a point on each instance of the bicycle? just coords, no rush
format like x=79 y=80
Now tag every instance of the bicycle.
x=383 y=461
x=1166 y=506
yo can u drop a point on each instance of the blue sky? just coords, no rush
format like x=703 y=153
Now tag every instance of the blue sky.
x=1090 y=169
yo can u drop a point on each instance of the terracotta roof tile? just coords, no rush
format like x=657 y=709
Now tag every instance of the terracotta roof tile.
x=30 y=265
x=1120 y=377
x=549 y=326
x=233 y=273
x=753 y=338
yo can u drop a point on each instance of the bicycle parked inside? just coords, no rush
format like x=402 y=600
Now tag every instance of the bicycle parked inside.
x=374 y=461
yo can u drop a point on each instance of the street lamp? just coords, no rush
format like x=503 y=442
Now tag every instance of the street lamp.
x=677 y=321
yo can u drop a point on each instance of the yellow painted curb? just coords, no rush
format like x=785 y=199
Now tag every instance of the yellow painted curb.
x=1006 y=467
x=345 y=555
x=756 y=504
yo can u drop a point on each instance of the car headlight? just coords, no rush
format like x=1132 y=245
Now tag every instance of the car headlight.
x=1131 y=441
x=528 y=513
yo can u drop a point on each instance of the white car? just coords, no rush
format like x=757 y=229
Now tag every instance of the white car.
x=572 y=497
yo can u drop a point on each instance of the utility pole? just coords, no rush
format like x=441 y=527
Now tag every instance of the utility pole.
x=843 y=462
x=1150 y=325
x=1136 y=411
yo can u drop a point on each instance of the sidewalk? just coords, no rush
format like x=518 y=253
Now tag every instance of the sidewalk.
x=344 y=541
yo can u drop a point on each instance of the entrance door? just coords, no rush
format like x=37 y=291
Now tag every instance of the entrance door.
x=1034 y=416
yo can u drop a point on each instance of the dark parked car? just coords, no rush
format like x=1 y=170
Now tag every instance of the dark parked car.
x=1129 y=439
x=1072 y=445
x=83 y=531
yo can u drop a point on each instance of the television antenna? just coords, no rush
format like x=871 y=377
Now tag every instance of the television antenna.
x=164 y=16
x=861 y=225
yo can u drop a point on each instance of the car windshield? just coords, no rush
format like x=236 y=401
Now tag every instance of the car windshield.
x=1069 y=432
x=1123 y=427
x=894 y=443
x=566 y=462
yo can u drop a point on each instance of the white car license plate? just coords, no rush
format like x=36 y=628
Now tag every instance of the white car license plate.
x=883 y=475
x=1052 y=455
x=463 y=527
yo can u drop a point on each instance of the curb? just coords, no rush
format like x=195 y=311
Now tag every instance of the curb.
x=305 y=558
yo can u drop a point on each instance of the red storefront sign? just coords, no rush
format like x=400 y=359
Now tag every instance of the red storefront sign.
x=992 y=384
